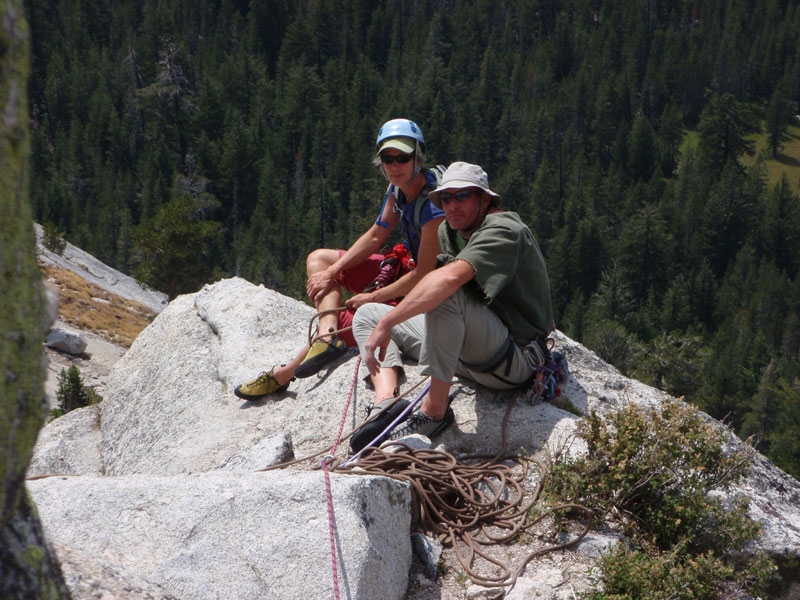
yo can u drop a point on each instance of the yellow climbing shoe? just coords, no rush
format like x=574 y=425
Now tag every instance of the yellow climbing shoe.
x=261 y=386
x=320 y=354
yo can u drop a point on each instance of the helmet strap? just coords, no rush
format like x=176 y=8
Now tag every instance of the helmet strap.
x=417 y=167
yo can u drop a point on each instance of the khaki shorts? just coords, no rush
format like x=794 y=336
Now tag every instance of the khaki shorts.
x=459 y=328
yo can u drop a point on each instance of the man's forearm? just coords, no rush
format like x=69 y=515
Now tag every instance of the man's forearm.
x=399 y=287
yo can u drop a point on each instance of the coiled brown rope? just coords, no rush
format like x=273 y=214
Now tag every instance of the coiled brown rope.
x=471 y=503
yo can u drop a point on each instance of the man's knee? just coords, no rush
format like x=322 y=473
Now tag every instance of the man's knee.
x=320 y=259
x=454 y=305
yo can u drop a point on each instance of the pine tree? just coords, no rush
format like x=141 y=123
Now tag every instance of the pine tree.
x=642 y=158
x=72 y=393
x=724 y=126
x=171 y=245
x=643 y=253
x=777 y=121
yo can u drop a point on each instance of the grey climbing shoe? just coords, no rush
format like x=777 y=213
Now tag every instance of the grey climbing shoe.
x=420 y=423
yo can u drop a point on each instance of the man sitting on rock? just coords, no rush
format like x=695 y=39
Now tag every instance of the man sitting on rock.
x=483 y=314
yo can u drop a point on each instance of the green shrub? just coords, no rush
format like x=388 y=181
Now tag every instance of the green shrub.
x=72 y=393
x=53 y=238
x=638 y=575
x=657 y=474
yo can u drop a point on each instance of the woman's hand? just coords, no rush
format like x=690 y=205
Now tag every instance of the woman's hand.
x=360 y=300
x=320 y=283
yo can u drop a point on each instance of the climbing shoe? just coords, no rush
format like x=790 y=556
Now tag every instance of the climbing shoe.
x=320 y=354
x=420 y=423
x=372 y=429
x=261 y=386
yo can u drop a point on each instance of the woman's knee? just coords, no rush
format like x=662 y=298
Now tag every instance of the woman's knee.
x=320 y=259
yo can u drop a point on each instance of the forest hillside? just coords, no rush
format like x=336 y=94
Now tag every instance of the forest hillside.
x=651 y=146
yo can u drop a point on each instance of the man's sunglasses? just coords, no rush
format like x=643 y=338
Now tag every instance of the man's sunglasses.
x=460 y=195
x=388 y=159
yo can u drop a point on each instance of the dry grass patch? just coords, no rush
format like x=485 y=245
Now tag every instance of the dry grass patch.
x=85 y=305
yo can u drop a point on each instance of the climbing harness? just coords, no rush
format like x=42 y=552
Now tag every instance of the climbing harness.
x=397 y=262
x=551 y=367
x=505 y=354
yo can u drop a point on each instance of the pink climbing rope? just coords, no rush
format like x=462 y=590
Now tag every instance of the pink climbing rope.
x=330 y=527
x=328 y=482
x=347 y=406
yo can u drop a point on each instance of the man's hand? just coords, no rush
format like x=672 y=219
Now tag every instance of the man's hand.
x=378 y=340
x=319 y=284
x=359 y=300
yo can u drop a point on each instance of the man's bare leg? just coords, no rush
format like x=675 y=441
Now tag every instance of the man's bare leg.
x=385 y=383
x=435 y=403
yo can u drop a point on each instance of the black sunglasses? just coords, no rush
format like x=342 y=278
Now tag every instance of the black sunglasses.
x=388 y=159
x=460 y=195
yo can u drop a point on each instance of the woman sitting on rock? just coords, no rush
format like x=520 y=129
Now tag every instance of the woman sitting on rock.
x=400 y=149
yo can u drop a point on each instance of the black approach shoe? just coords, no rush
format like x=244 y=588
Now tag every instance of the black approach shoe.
x=369 y=430
x=420 y=423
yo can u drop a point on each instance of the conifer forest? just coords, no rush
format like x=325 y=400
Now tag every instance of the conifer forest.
x=184 y=141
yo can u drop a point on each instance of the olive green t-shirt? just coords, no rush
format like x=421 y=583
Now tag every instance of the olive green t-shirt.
x=510 y=273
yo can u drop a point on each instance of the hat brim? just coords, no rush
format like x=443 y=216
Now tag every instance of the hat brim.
x=458 y=184
x=402 y=144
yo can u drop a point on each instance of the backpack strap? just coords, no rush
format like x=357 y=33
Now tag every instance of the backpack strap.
x=389 y=192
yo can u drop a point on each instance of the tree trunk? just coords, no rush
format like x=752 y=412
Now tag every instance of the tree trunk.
x=28 y=567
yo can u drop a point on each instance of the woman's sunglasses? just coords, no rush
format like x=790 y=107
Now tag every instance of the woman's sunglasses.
x=388 y=159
